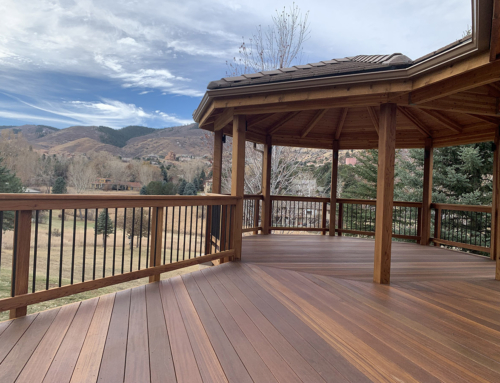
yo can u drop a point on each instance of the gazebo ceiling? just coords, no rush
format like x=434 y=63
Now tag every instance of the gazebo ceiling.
x=451 y=96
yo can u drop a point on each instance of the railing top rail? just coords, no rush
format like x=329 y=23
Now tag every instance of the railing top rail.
x=474 y=208
x=16 y=201
x=299 y=198
x=374 y=202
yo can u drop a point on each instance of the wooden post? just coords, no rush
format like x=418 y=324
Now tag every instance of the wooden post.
x=217 y=163
x=21 y=264
x=238 y=180
x=333 y=187
x=385 y=193
x=341 y=218
x=266 y=185
x=425 y=231
x=495 y=207
x=256 y=211
x=156 y=241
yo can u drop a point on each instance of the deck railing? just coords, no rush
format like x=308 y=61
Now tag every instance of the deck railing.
x=55 y=246
x=458 y=226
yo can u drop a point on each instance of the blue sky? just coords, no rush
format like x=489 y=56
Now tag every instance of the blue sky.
x=148 y=62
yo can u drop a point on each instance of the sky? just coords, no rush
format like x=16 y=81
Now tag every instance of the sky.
x=148 y=62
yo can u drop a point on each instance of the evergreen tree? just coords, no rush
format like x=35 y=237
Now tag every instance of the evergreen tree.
x=144 y=190
x=9 y=183
x=190 y=189
x=181 y=186
x=203 y=176
x=160 y=188
x=104 y=225
x=164 y=173
x=197 y=184
x=59 y=186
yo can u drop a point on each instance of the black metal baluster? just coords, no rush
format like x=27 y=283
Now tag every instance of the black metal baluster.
x=114 y=240
x=165 y=238
x=73 y=249
x=178 y=233
x=196 y=232
x=35 y=247
x=140 y=240
x=84 y=244
x=132 y=239
x=95 y=244
x=190 y=230
x=105 y=242
x=184 y=239
x=201 y=229
x=62 y=248
x=14 y=256
x=124 y=235
x=172 y=235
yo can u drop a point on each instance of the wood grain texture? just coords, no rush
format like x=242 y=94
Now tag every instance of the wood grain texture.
x=238 y=180
x=298 y=308
x=333 y=189
x=425 y=231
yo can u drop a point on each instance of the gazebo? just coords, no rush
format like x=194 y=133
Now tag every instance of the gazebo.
x=448 y=97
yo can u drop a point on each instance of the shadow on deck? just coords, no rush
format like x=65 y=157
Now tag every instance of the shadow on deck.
x=298 y=308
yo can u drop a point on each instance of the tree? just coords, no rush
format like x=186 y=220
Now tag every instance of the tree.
x=278 y=46
x=159 y=188
x=197 y=183
x=181 y=186
x=164 y=173
x=81 y=174
x=9 y=183
x=144 y=190
x=59 y=186
x=137 y=224
x=104 y=225
x=190 y=189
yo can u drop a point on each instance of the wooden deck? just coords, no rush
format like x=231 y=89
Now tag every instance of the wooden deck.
x=299 y=308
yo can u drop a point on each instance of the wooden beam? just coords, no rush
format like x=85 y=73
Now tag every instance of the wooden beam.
x=317 y=118
x=464 y=103
x=225 y=118
x=333 y=188
x=491 y=120
x=21 y=263
x=472 y=79
x=425 y=231
x=208 y=113
x=443 y=120
x=238 y=180
x=495 y=206
x=280 y=124
x=373 y=116
x=385 y=194
x=495 y=32
x=217 y=163
x=415 y=121
x=156 y=241
x=340 y=125
x=258 y=120
x=266 y=185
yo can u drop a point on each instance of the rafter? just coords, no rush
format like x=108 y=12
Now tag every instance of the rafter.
x=259 y=119
x=443 y=120
x=225 y=118
x=373 y=116
x=469 y=103
x=340 y=125
x=317 y=118
x=287 y=118
x=491 y=120
x=459 y=83
x=415 y=121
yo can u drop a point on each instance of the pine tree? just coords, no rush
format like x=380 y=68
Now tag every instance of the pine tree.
x=203 y=176
x=144 y=190
x=181 y=186
x=164 y=173
x=190 y=189
x=196 y=183
x=9 y=183
x=104 y=225
x=59 y=186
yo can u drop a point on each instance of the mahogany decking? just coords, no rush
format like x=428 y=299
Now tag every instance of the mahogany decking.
x=298 y=308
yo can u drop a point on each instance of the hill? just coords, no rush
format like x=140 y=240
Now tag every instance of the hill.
x=131 y=141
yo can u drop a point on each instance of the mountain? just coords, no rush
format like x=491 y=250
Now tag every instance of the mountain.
x=131 y=141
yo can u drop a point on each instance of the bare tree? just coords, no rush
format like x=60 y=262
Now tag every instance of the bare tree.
x=278 y=46
x=81 y=174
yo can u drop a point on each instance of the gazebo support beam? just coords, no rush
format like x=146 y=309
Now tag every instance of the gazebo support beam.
x=385 y=193
x=495 y=211
x=333 y=188
x=425 y=231
x=266 y=185
x=238 y=180
x=217 y=163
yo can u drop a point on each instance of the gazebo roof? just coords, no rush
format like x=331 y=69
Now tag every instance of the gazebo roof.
x=450 y=95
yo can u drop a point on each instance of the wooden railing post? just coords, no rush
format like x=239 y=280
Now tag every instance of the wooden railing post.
x=256 y=211
x=341 y=217
x=333 y=186
x=437 y=226
x=323 y=218
x=21 y=259
x=156 y=241
x=266 y=186
x=425 y=223
x=238 y=180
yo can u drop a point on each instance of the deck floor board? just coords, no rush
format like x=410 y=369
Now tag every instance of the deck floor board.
x=297 y=308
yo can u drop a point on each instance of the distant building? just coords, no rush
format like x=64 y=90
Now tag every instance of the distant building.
x=108 y=184
x=30 y=190
x=170 y=156
x=350 y=161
